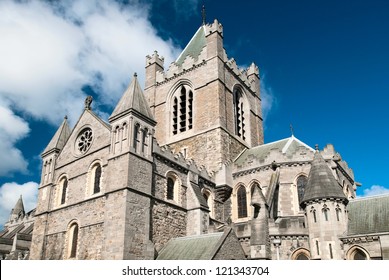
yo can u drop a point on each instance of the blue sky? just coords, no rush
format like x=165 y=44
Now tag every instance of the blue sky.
x=323 y=69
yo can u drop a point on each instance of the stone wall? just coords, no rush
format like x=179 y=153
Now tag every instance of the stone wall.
x=168 y=222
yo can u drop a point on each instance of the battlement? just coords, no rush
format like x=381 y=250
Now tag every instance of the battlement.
x=155 y=58
x=179 y=160
x=214 y=27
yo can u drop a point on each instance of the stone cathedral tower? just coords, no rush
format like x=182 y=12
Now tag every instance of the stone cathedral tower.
x=206 y=108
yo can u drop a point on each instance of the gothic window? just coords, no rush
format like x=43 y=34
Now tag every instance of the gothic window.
x=301 y=254
x=338 y=211
x=84 y=140
x=136 y=137
x=359 y=255
x=182 y=110
x=239 y=114
x=125 y=131
x=73 y=240
x=97 y=179
x=117 y=134
x=144 y=140
x=242 y=202
x=301 y=184
x=330 y=248
x=313 y=211
x=209 y=199
x=325 y=212
x=170 y=188
x=317 y=247
x=63 y=190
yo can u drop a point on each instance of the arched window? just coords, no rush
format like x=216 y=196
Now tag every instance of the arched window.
x=97 y=177
x=73 y=240
x=313 y=211
x=63 y=190
x=182 y=109
x=242 y=202
x=338 y=212
x=317 y=247
x=357 y=253
x=301 y=254
x=170 y=188
x=136 y=136
x=208 y=197
x=239 y=114
x=173 y=185
x=144 y=140
x=325 y=212
x=301 y=184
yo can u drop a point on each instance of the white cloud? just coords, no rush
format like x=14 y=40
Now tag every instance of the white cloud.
x=9 y=195
x=267 y=97
x=375 y=190
x=50 y=51
x=12 y=129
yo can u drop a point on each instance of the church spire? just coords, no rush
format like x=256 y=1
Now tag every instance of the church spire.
x=60 y=137
x=133 y=100
x=18 y=210
x=321 y=182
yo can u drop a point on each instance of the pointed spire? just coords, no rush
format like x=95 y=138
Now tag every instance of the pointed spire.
x=18 y=210
x=321 y=181
x=133 y=99
x=60 y=137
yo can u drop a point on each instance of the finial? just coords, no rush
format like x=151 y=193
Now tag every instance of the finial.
x=135 y=75
x=203 y=14
x=66 y=117
x=88 y=102
x=316 y=147
x=291 y=129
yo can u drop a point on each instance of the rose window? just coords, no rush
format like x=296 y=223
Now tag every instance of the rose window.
x=84 y=140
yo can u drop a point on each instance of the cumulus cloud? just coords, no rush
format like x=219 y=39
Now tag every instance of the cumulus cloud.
x=9 y=195
x=375 y=190
x=12 y=129
x=51 y=50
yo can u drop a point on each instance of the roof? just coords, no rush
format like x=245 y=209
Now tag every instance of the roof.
x=60 y=137
x=197 y=247
x=321 y=182
x=194 y=47
x=19 y=208
x=368 y=215
x=287 y=146
x=133 y=99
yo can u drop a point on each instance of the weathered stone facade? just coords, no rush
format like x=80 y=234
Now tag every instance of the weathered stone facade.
x=185 y=161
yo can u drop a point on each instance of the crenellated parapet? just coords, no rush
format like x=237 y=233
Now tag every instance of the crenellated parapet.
x=178 y=161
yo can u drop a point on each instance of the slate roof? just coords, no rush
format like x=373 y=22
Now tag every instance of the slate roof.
x=133 y=99
x=287 y=146
x=197 y=247
x=194 y=47
x=321 y=182
x=368 y=215
x=60 y=137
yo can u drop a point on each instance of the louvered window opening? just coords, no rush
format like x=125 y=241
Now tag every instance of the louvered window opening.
x=183 y=111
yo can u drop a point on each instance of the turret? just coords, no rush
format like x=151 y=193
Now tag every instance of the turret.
x=132 y=123
x=325 y=208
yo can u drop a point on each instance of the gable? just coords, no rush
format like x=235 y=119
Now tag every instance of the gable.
x=99 y=138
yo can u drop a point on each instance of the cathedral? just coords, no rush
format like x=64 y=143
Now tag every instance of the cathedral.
x=181 y=171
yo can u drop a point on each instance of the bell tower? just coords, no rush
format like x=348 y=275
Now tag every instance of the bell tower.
x=205 y=106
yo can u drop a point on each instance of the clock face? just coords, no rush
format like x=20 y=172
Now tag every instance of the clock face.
x=84 y=140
